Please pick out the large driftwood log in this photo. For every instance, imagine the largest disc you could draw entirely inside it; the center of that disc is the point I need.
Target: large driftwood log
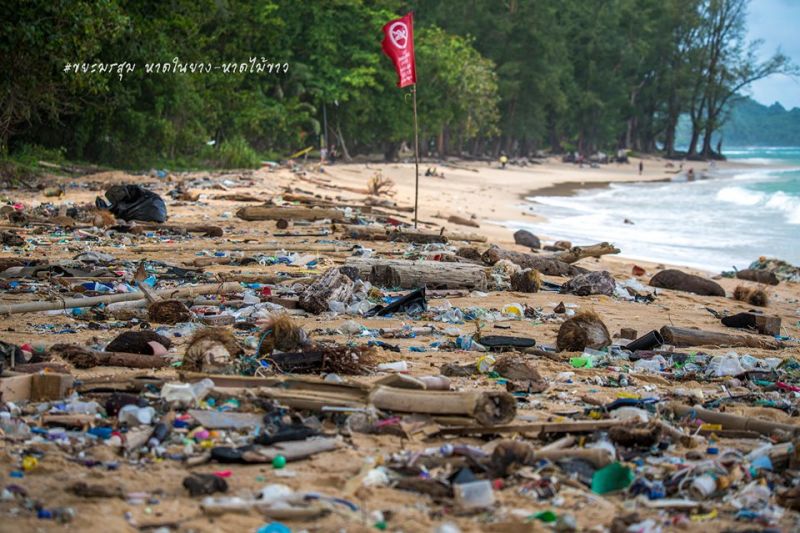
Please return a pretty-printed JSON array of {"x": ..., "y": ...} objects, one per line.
[
  {"x": 545, "y": 264},
  {"x": 488, "y": 408},
  {"x": 406, "y": 274},
  {"x": 266, "y": 212},
  {"x": 383, "y": 233},
  {"x": 68, "y": 303},
  {"x": 579, "y": 252},
  {"x": 685, "y": 337},
  {"x": 731, "y": 421},
  {"x": 461, "y": 221},
  {"x": 207, "y": 231}
]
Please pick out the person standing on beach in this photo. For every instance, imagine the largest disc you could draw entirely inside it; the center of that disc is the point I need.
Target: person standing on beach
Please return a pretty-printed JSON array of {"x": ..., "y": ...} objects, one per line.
[
  {"x": 641, "y": 167},
  {"x": 503, "y": 159}
]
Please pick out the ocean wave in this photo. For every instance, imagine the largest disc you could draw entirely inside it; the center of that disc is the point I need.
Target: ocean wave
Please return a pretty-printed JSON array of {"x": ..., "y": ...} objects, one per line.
[
  {"x": 739, "y": 196},
  {"x": 778, "y": 201}
]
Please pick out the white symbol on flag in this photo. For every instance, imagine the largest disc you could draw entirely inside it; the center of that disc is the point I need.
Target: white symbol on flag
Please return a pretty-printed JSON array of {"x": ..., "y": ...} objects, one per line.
[{"x": 398, "y": 34}]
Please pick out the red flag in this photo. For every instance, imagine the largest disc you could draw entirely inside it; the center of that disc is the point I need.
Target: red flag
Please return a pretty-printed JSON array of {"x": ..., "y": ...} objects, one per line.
[{"x": 398, "y": 44}]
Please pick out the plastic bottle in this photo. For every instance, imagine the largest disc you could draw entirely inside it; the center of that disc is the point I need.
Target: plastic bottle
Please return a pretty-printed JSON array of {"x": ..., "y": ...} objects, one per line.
[
  {"x": 466, "y": 342},
  {"x": 475, "y": 494}
]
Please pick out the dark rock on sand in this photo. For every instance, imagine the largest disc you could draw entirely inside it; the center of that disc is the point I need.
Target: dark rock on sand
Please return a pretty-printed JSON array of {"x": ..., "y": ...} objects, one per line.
[
  {"x": 681, "y": 281},
  {"x": 526, "y": 238},
  {"x": 759, "y": 276}
]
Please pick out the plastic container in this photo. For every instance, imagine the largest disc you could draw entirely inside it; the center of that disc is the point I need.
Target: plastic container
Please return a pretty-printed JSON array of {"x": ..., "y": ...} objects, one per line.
[
  {"x": 134, "y": 415},
  {"x": 725, "y": 365},
  {"x": 395, "y": 366},
  {"x": 186, "y": 393},
  {"x": 475, "y": 494}
]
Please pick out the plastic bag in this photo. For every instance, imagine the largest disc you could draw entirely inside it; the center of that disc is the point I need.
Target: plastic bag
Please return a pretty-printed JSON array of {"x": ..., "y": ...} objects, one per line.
[{"x": 132, "y": 202}]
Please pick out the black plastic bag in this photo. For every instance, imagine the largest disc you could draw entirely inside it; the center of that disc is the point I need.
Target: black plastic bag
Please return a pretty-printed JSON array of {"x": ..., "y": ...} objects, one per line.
[{"x": 132, "y": 202}]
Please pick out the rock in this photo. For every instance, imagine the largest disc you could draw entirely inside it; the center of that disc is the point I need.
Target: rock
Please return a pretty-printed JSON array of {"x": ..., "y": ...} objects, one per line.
[
  {"x": 601, "y": 282},
  {"x": 759, "y": 276},
  {"x": 138, "y": 342},
  {"x": 584, "y": 330},
  {"x": 681, "y": 281},
  {"x": 526, "y": 238},
  {"x": 562, "y": 245}
]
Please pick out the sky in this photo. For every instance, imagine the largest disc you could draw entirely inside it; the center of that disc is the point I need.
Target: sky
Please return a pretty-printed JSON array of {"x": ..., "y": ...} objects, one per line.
[{"x": 777, "y": 23}]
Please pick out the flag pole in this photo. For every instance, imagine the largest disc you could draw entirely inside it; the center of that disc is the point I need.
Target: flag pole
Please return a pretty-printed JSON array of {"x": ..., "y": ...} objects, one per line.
[{"x": 416, "y": 158}]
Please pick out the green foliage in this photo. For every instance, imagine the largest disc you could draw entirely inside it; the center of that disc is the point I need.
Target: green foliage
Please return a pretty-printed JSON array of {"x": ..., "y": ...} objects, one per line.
[
  {"x": 752, "y": 124},
  {"x": 518, "y": 75},
  {"x": 236, "y": 153}
]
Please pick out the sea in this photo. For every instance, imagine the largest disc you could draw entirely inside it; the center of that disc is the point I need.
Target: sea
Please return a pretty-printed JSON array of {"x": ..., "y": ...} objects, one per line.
[{"x": 723, "y": 219}]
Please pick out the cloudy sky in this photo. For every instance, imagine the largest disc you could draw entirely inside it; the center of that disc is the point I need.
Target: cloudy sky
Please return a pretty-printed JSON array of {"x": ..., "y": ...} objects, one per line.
[{"x": 777, "y": 23}]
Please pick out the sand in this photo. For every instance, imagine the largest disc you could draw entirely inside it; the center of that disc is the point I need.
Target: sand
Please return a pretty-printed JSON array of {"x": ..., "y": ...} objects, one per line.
[{"x": 483, "y": 191}]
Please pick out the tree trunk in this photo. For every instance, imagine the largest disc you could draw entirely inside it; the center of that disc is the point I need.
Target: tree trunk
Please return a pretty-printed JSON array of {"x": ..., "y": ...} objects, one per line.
[{"x": 685, "y": 337}]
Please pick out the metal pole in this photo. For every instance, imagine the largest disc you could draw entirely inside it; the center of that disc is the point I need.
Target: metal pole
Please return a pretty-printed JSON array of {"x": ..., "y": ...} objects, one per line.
[{"x": 416, "y": 159}]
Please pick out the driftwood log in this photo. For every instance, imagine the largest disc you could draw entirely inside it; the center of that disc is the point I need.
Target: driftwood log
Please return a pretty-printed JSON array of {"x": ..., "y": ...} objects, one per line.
[
  {"x": 685, "y": 337},
  {"x": 461, "y": 221},
  {"x": 405, "y": 274},
  {"x": 207, "y": 231},
  {"x": 376, "y": 232},
  {"x": 580, "y": 252},
  {"x": 731, "y": 421},
  {"x": 80, "y": 357},
  {"x": 266, "y": 212},
  {"x": 488, "y": 408},
  {"x": 69, "y": 303},
  {"x": 545, "y": 264}
]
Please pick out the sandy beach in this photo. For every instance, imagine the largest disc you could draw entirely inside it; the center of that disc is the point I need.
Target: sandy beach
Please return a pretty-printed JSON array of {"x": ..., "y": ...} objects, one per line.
[{"x": 485, "y": 192}]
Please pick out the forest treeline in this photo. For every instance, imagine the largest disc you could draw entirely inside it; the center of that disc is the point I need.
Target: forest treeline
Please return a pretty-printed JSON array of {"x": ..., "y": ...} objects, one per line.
[
  {"x": 754, "y": 124},
  {"x": 230, "y": 82}
]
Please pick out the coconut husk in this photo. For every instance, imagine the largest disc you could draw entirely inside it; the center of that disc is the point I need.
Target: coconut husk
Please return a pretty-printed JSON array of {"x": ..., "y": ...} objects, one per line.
[
  {"x": 752, "y": 295},
  {"x": 528, "y": 280},
  {"x": 584, "y": 330},
  {"x": 281, "y": 333},
  {"x": 639, "y": 437},
  {"x": 510, "y": 455},
  {"x": 169, "y": 312},
  {"x": 211, "y": 350},
  {"x": 77, "y": 356}
]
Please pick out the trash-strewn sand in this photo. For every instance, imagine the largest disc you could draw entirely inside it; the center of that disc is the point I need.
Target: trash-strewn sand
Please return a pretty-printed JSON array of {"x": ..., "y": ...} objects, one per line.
[{"x": 489, "y": 194}]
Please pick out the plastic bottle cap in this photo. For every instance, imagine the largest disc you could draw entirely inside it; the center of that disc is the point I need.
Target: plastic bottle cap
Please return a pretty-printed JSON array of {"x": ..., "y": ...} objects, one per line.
[{"x": 279, "y": 462}]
